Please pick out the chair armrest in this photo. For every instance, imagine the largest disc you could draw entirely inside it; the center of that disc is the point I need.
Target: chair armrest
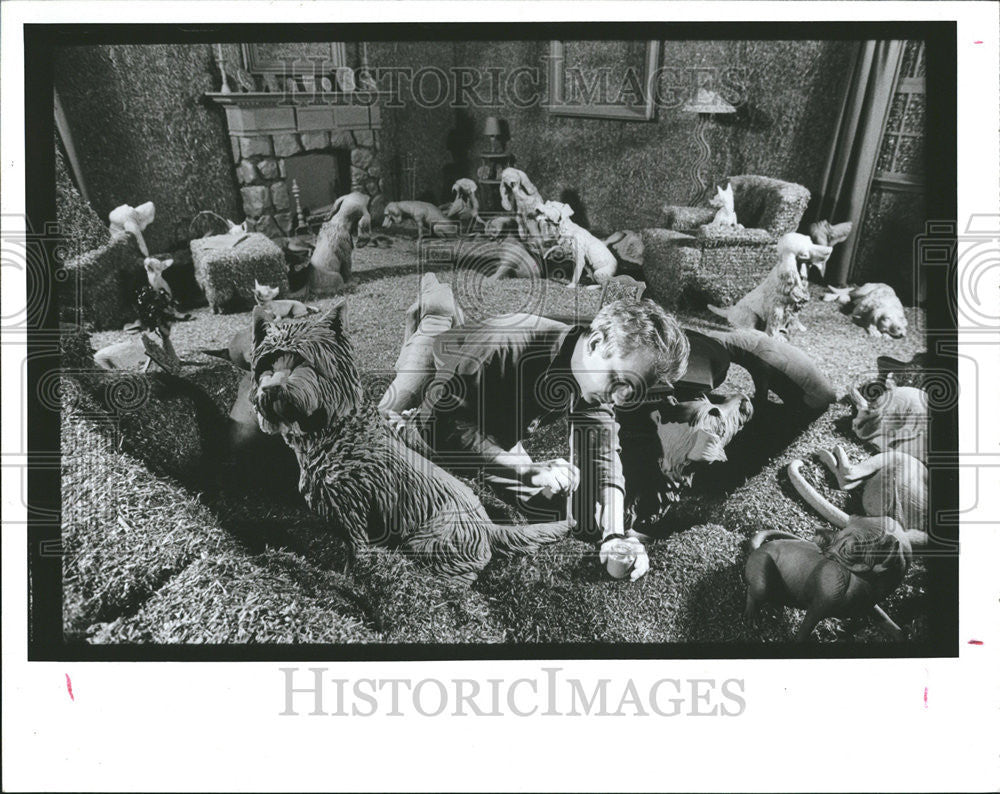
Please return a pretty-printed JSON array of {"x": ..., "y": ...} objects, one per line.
[{"x": 683, "y": 219}]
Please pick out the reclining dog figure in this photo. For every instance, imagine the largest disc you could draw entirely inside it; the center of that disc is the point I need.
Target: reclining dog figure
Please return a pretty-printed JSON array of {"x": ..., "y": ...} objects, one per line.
[{"x": 369, "y": 485}]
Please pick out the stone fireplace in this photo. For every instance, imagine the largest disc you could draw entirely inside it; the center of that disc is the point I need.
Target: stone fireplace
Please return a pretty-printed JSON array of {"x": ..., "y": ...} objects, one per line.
[{"x": 328, "y": 149}]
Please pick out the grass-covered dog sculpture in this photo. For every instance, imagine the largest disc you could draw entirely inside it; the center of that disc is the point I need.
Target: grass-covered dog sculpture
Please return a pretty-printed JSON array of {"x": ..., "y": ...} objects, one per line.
[{"x": 355, "y": 473}]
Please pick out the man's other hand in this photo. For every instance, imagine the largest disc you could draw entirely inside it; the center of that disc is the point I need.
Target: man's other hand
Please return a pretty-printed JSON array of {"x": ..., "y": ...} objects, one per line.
[{"x": 558, "y": 475}]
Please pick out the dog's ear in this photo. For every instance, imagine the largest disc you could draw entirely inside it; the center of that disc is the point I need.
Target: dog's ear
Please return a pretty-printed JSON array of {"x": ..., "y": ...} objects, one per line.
[
  {"x": 166, "y": 263},
  {"x": 261, "y": 324},
  {"x": 505, "y": 197},
  {"x": 526, "y": 184},
  {"x": 335, "y": 316},
  {"x": 820, "y": 232},
  {"x": 149, "y": 263},
  {"x": 655, "y": 416},
  {"x": 707, "y": 447},
  {"x": 839, "y": 232}
]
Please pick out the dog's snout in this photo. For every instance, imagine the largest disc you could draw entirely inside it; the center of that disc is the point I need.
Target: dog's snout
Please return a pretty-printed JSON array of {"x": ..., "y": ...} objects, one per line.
[{"x": 272, "y": 380}]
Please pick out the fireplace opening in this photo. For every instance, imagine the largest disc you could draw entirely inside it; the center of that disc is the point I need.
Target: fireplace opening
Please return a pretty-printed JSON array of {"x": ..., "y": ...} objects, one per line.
[{"x": 321, "y": 177}]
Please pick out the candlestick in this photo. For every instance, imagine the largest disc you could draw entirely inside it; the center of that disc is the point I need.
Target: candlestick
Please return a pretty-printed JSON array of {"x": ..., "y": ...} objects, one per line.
[{"x": 222, "y": 70}]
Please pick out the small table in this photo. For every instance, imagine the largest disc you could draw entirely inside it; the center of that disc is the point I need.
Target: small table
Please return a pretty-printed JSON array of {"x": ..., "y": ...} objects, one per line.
[{"x": 489, "y": 194}]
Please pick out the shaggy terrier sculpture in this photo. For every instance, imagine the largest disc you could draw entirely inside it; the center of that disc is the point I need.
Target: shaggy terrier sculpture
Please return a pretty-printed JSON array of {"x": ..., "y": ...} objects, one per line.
[{"x": 355, "y": 473}]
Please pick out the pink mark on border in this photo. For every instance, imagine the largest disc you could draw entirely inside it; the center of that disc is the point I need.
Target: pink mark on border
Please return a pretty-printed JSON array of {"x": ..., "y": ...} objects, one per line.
[
  {"x": 69, "y": 688},
  {"x": 977, "y": 42},
  {"x": 925, "y": 697},
  {"x": 975, "y": 642}
]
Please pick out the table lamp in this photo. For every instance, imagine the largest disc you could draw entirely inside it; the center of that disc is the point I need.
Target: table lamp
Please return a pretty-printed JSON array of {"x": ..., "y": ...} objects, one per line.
[
  {"x": 706, "y": 103},
  {"x": 491, "y": 129}
]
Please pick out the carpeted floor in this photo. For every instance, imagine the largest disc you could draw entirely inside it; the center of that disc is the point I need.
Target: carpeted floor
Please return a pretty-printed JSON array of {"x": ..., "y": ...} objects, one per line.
[{"x": 149, "y": 561}]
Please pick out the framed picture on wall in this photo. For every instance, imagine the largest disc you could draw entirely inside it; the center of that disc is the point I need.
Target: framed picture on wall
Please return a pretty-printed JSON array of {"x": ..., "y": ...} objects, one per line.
[
  {"x": 603, "y": 79},
  {"x": 294, "y": 59}
]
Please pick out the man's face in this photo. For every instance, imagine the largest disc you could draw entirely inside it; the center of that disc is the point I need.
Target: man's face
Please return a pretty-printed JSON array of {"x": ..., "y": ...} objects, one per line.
[{"x": 612, "y": 377}]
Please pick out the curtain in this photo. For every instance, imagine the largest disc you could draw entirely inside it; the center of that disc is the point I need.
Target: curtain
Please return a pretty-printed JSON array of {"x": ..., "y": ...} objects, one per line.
[{"x": 851, "y": 163}]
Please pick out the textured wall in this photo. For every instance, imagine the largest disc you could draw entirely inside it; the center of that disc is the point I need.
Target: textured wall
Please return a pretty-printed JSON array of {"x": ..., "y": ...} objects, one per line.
[
  {"x": 624, "y": 171},
  {"x": 143, "y": 131}
]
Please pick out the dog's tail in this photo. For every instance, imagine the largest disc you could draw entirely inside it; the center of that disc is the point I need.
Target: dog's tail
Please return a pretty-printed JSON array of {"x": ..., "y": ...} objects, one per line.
[
  {"x": 510, "y": 539},
  {"x": 724, "y": 312},
  {"x": 840, "y": 295},
  {"x": 813, "y": 498},
  {"x": 765, "y": 535}
]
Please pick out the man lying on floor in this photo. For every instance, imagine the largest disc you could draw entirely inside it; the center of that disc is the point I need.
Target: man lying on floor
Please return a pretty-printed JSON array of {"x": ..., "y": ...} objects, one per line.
[{"x": 494, "y": 385}]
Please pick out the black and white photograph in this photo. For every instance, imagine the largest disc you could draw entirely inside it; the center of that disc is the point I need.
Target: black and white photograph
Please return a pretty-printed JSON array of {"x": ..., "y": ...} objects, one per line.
[
  {"x": 452, "y": 342},
  {"x": 531, "y": 341}
]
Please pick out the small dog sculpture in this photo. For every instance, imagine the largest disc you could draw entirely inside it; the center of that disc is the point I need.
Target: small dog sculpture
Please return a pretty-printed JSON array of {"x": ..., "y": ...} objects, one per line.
[
  {"x": 332, "y": 259},
  {"x": 588, "y": 252},
  {"x": 126, "y": 219},
  {"x": 896, "y": 479},
  {"x": 518, "y": 194},
  {"x": 465, "y": 206},
  {"x": 726, "y": 216},
  {"x": 422, "y": 213},
  {"x": 678, "y": 435},
  {"x": 265, "y": 296},
  {"x": 154, "y": 274},
  {"x": 845, "y": 575},
  {"x": 875, "y": 307},
  {"x": 895, "y": 485},
  {"x": 365, "y": 481},
  {"x": 772, "y": 305},
  {"x": 895, "y": 420},
  {"x": 825, "y": 233}
]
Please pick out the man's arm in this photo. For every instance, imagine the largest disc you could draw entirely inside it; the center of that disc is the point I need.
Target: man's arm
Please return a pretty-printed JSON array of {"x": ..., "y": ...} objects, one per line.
[{"x": 604, "y": 450}]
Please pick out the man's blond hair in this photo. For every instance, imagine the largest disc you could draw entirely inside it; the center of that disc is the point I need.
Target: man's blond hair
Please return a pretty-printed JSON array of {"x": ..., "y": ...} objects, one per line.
[{"x": 627, "y": 326}]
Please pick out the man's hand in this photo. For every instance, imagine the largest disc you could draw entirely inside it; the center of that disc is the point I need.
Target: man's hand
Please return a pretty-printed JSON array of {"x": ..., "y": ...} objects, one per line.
[
  {"x": 559, "y": 475},
  {"x": 641, "y": 564}
]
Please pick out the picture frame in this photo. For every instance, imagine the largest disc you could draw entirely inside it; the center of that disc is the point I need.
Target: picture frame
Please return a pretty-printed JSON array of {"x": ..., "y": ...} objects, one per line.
[
  {"x": 288, "y": 58},
  {"x": 643, "y": 65}
]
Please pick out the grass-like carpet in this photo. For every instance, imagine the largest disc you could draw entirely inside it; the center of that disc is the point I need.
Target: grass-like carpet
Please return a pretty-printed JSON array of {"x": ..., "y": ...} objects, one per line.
[{"x": 150, "y": 560}]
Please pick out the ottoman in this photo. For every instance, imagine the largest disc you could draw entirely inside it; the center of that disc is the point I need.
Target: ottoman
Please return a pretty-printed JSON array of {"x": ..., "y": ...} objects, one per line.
[{"x": 226, "y": 265}]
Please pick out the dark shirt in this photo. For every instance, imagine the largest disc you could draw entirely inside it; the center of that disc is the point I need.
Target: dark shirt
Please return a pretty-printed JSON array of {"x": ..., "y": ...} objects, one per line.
[{"x": 497, "y": 383}]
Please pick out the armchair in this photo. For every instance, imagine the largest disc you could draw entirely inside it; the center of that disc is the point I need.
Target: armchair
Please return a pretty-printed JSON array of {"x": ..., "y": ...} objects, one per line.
[{"x": 690, "y": 261}]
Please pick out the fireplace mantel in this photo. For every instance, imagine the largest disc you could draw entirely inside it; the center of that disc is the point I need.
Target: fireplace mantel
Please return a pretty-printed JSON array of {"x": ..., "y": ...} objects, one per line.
[
  {"x": 263, "y": 113},
  {"x": 265, "y": 129}
]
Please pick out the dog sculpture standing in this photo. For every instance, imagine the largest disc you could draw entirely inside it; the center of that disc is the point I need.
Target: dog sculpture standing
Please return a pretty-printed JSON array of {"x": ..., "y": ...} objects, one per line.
[
  {"x": 588, "y": 252},
  {"x": 356, "y": 474},
  {"x": 865, "y": 560},
  {"x": 875, "y": 307},
  {"x": 422, "y": 213},
  {"x": 772, "y": 305},
  {"x": 331, "y": 261}
]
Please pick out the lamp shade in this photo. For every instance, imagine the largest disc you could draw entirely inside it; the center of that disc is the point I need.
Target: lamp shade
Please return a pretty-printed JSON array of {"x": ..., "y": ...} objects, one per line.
[
  {"x": 491, "y": 126},
  {"x": 706, "y": 101}
]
